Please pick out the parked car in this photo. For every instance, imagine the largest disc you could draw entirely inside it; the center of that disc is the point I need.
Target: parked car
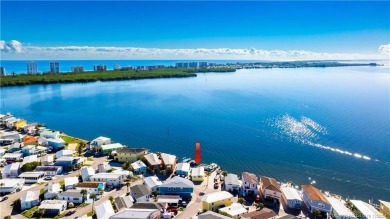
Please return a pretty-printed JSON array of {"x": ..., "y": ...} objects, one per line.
[
  {"x": 184, "y": 204},
  {"x": 69, "y": 213},
  {"x": 48, "y": 178},
  {"x": 4, "y": 198}
]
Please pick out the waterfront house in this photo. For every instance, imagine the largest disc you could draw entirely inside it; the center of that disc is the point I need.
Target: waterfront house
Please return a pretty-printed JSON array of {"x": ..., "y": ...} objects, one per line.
[
  {"x": 19, "y": 124},
  {"x": 152, "y": 182},
  {"x": 130, "y": 213},
  {"x": 235, "y": 210},
  {"x": 152, "y": 161},
  {"x": 314, "y": 199},
  {"x": 68, "y": 163},
  {"x": 97, "y": 142},
  {"x": 212, "y": 215},
  {"x": 52, "y": 190},
  {"x": 182, "y": 169},
  {"x": 13, "y": 157},
  {"x": 231, "y": 183},
  {"x": 339, "y": 210},
  {"x": 30, "y": 140},
  {"x": 41, "y": 150},
  {"x": 11, "y": 171},
  {"x": 71, "y": 195},
  {"x": 107, "y": 149},
  {"x": 249, "y": 184},
  {"x": 384, "y": 208},
  {"x": 9, "y": 123},
  {"x": 111, "y": 179},
  {"x": 270, "y": 190},
  {"x": 216, "y": 200},
  {"x": 104, "y": 210},
  {"x": 197, "y": 174},
  {"x": 91, "y": 187},
  {"x": 177, "y": 186},
  {"x": 264, "y": 213},
  {"x": 29, "y": 199},
  {"x": 31, "y": 129},
  {"x": 168, "y": 161},
  {"x": 47, "y": 133},
  {"x": 49, "y": 170},
  {"x": 32, "y": 177},
  {"x": 129, "y": 154},
  {"x": 12, "y": 137},
  {"x": 48, "y": 160},
  {"x": 11, "y": 185},
  {"x": 29, "y": 150},
  {"x": 291, "y": 197},
  {"x": 53, "y": 207},
  {"x": 70, "y": 182},
  {"x": 86, "y": 173},
  {"x": 139, "y": 167},
  {"x": 55, "y": 143},
  {"x": 123, "y": 202},
  {"x": 15, "y": 147},
  {"x": 140, "y": 193},
  {"x": 103, "y": 168},
  {"x": 64, "y": 152},
  {"x": 365, "y": 210}
]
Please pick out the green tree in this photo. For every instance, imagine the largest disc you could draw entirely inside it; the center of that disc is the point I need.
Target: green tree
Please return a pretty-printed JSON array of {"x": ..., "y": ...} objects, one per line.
[
  {"x": 316, "y": 213},
  {"x": 79, "y": 150},
  {"x": 93, "y": 197},
  {"x": 224, "y": 173},
  {"x": 163, "y": 172},
  {"x": 126, "y": 165},
  {"x": 241, "y": 200},
  {"x": 28, "y": 167},
  {"x": 7, "y": 217},
  {"x": 259, "y": 205},
  {"x": 39, "y": 213},
  {"x": 84, "y": 192}
]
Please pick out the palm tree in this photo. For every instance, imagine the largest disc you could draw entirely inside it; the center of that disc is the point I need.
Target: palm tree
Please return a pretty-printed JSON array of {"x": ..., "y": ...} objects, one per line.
[
  {"x": 128, "y": 184},
  {"x": 143, "y": 175},
  {"x": 84, "y": 192},
  {"x": 101, "y": 192},
  {"x": 259, "y": 206},
  {"x": 224, "y": 173},
  {"x": 93, "y": 196},
  {"x": 316, "y": 213},
  {"x": 163, "y": 172},
  {"x": 241, "y": 200},
  {"x": 39, "y": 213},
  {"x": 208, "y": 173}
]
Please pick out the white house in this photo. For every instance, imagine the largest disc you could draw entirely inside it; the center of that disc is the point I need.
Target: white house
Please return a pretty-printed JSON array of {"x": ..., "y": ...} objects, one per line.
[
  {"x": 139, "y": 167},
  {"x": 71, "y": 195},
  {"x": 231, "y": 183},
  {"x": 53, "y": 207},
  {"x": 29, "y": 199},
  {"x": 11, "y": 185},
  {"x": 339, "y": 210},
  {"x": 13, "y": 157},
  {"x": 182, "y": 169},
  {"x": 249, "y": 184},
  {"x": 47, "y": 133},
  {"x": 103, "y": 168},
  {"x": 197, "y": 174},
  {"x": 86, "y": 173},
  {"x": 104, "y": 210},
  {"x": 140, "y": 193},
  {"x": 234, "y": 210},
  {"x": 29, "y": 159},
  {"x": 49, "y": 170},
  {"x": 367, "y": 211},
  {"x": 70, "y": 182},
  {"x": 111, "y": 179},
  {"x": 11, "y": 170},
  {"x": 152, "y": 182},
  {"x": 65, "y": 153},
  {"x": 32, "y": 177},
  {"x": 291, "y": 197},
  {"x": 52, "y": 190},
  {"x": 91, "y": 187},
  {"x": 97, "y": 142}
]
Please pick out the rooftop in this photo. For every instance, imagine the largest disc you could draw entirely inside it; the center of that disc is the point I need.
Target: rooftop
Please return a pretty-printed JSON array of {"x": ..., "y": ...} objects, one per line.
[
  {"x": 111, "y": 146},
  {"x": 10, "y": 183},
  {"x": 89, "y": 184},
  {"x": 314, "y": 193},
  {"x": 264, "y": 213},
  {"x": 107, "y": 175},
  {"x": 339, "y": 206},
  {"x": 216, "y": 196},
  {"x": 152, "y": 159},
  {"x": 168, "y": 198},
  {"x": 366, "y": 209},
  {"x": 152, "y": 181},
  {"x": 234, "y": 209},
  {"x": 140, "y": 191},
  {"x": 29, "y": 196},
  {"x": 269, "y": 183},
  {"x": 31, "y": 174},
  {"x": 199, "y": 171},
  {"x": 231, "y": 179},
  {"x": 132, "y": 150},
  {"x": 52, "y": 204},
  {"x": 148, "y": 205},
  {"x": 133, "y": 214},
  {"x": 290, "y": 193},
  {"x": 212, "y": 215},
  {"x": 183, "y": 167},
  {"x": 138, "y": 164},
  {"x": 104, "y": 210},
  {"x": 71, "y": 180},
  {"x": 168, "y": 159},
  {"x": 71, "y": 193},
  {"x": 177, "y": 181},
  {"x": 250, "y": 178}
]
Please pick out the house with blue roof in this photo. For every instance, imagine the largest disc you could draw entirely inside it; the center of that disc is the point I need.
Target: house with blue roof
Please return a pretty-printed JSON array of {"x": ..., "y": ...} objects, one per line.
[{"x": 177, "y": 186}]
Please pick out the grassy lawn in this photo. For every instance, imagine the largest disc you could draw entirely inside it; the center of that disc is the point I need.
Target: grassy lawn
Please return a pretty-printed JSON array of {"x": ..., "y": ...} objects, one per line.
[
  {"x": 30, "y": 214},
  {"x": 70, "y": 139},
  {"x": 90, "y": 214},
  {"x": 83, "y": 205},
  {"x": 89, "y": 159}
]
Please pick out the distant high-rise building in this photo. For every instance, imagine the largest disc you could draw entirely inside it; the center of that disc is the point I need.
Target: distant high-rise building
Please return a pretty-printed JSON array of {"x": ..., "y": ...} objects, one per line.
[
  {"x": 202, "y": 64},
  {"x": 2, "y": 71},
  {"x": 179, "y": 65},
  {"x": 117, "y": 67},
  {"x": 32, "y": 68},
  {"x": 193, "y": 64},
  {"x": 99, "y": 68},
  {"x": 77, "y": 68},
  {"x": 185, "y": 65},
  {"x": 54, "y": 67}
]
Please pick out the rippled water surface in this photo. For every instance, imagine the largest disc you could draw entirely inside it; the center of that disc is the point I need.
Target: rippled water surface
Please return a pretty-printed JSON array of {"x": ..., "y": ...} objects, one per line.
[{"x": 331, "y": 125}]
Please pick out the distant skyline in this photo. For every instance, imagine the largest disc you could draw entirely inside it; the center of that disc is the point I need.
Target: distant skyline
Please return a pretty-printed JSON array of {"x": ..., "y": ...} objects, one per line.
[{"x": 195, "y": 30}]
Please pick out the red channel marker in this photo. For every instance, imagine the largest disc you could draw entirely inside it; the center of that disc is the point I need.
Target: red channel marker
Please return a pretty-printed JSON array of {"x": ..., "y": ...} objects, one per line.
[{"x": 198, "y": 157}]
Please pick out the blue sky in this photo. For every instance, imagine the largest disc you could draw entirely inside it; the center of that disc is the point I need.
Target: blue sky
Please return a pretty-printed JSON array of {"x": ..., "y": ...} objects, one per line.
[{"x": 321, "y": 27}]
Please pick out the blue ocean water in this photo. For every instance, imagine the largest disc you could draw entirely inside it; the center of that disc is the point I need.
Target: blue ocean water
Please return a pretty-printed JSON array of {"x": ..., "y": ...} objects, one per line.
[{"x": 331, "y": 125}]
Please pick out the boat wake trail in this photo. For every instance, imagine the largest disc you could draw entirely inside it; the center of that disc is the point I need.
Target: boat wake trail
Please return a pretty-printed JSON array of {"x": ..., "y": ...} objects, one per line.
[{"x": 306, "y": 131}]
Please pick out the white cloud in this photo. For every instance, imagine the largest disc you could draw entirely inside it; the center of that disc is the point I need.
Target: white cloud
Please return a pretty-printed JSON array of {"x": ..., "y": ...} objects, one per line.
[{"x": 15, "y": 50}]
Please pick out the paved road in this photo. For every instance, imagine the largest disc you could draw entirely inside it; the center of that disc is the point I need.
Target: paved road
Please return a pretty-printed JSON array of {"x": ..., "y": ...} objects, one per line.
[{"x": 6, "y": 208}]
